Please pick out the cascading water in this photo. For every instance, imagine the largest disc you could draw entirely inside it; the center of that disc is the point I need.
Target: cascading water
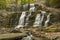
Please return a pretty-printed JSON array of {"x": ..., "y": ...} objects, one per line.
[
  {"x": 29, "y": 37},
  {"x": 32, "y": 9},
  {"x": 21, "y": 20},
  {"x": 26, "y": 7},
  {"x": 37, "y": 20},
  {"x": 42, "y": 18},
  {"x": 47, "y": 21},
  {"x": 27, "y": 19}
]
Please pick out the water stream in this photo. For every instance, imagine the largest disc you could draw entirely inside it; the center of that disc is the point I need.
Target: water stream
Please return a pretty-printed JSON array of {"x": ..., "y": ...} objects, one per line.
[
  {"x": 27, "y": 19},
  {"x": 29, "y": 37},
  {"x": 42, "y": 17},
  {"x": 37, "y": 20},
  {"x": 47, "y": 21},
  {"x": 21, "y": 20}
]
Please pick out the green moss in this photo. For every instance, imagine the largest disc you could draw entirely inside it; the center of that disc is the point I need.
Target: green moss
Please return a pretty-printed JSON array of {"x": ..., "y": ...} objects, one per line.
[
  {"x": 52, "y": 1},
  {"x": 49, "y": 29}
]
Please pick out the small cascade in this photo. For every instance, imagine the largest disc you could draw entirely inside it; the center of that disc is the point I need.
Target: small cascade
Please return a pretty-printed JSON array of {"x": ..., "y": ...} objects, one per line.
[
  {"x": 27, "y": 19},
  {"x": 32, "y": 9},
  {"x": 47, "y": 21},
  {"x": 26, "y": 7},
  {"x": 42, "y": 17},
  {"x": 28, "y": 37},
  {"x": 37, "y": 20},
  {"x": 21, "y": 20}
]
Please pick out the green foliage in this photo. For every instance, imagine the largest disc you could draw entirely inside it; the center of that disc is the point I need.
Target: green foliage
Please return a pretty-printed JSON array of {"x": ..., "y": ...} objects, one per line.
[
  {"x": 52, "y": 1},
  {"x": 50, "y": 29},
  {"x": 26, "y": 1},
  {"x": 2, "y": 4}
]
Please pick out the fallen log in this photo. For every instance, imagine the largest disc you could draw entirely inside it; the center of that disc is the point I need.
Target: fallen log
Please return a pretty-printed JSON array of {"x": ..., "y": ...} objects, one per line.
[{"x": 11, "y": 35}]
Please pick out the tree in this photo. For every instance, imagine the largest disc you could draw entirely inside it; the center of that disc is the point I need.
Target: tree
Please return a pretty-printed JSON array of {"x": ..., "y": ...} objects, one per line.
[{"x": 2, "y": 4}]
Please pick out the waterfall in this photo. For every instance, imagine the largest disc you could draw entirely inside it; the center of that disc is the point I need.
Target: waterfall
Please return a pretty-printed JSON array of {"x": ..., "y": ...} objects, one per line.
[
  {"x": 47, "y": 21},
  {"x": 42, "y": 18},
  {"x": 29, "y": 37},
  {"x": 27, "y": 19},
  {"x": 37, "y": 20},
  {"x": 32, "y": 9},
  {"x": 26, "y": 7},
  {"x": 21, "y": 20}
]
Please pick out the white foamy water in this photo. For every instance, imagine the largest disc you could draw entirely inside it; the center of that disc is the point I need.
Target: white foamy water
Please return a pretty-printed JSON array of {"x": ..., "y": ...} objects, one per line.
[
  {"x": 21, "y": 20},
  {"x": 42, "y": 17},
  {"x": 28, "y": 37},
  {"x": 27, "y": 19},
  {"x": 32, "y": 9},
  {"x": 47, "y": 21},
  {"x": 37, "y": 20}
]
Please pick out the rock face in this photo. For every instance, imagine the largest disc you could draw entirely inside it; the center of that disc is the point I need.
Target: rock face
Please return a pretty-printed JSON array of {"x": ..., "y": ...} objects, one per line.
[
  {"x": 7, "y": 19},
  {"x": 4, "y": 18}
]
